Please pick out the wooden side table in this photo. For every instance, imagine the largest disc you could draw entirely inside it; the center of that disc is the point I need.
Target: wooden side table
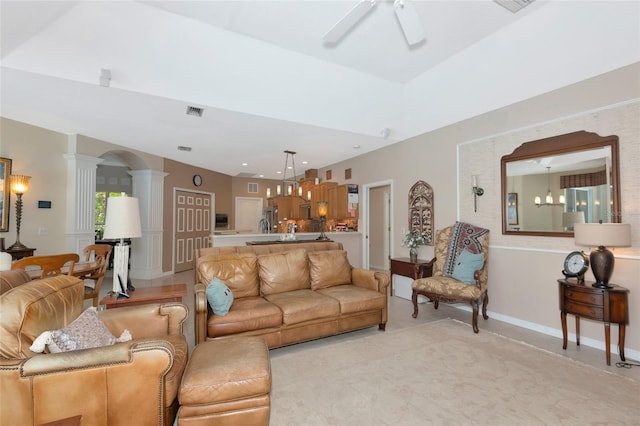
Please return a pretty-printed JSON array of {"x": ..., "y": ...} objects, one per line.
[
  {"x": 17, "y": 254},
  {"x": 609, "y": 305},
  {"x": 405, "y": 267},
  {"x": 144, "y": 295}
]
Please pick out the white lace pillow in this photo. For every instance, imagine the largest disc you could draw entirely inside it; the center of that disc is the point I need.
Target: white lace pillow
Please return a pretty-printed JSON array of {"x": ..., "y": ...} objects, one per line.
[{"x": 86, "y": 331}]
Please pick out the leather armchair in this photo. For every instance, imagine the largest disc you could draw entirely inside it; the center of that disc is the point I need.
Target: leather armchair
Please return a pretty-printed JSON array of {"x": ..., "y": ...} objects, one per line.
[{"x": 135, "y": 381}]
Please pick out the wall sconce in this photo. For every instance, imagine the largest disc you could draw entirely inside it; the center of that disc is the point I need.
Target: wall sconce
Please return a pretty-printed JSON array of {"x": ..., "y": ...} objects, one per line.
[
  {"x": 600, "y": 235},
  {"x": 122, "y": 221},
  {"x": 268, "y": 192},
  {"x": 322, "y": 212},
  {"x": 278, "y": 190},
  {"x": 477, "y": 192},
  {"x": 19, "y": 185},
  {"x": 308, "y": 195}
]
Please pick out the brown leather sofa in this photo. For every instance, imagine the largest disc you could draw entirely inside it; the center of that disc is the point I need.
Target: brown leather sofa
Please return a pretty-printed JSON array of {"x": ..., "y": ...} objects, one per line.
[
  {"x": 131, "y": 382},
  {"x": 288, "y": 293}
]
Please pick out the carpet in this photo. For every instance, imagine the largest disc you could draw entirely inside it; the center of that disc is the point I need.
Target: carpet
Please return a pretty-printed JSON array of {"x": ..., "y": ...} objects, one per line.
[{"x": 441, "y": 373}]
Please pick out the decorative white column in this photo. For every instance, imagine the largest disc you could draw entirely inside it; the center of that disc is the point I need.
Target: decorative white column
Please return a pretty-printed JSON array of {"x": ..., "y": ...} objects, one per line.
[
  {"x": 81, "y": 194},
  {"x": 146, "y": 252}
]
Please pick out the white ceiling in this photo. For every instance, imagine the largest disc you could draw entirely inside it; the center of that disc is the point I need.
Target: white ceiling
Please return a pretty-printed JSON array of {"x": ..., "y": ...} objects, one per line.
[{"x": 268, "y": 83}]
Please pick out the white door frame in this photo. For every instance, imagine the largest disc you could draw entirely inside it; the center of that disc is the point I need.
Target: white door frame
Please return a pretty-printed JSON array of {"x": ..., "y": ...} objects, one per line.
[
  {"x": 173, "y": 234},
  {"x": 366, "y": 208}
]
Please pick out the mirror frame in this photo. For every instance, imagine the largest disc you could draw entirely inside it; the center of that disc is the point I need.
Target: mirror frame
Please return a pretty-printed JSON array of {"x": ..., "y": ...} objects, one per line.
[
  {"x": 563, "y": 144},
  {"x": 5, "y": 193}
]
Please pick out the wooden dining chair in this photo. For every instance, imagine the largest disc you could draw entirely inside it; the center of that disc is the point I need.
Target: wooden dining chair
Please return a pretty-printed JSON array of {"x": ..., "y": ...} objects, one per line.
[
  {"x": 48, "y": 265},
  {"x": 101, "y": 254}
]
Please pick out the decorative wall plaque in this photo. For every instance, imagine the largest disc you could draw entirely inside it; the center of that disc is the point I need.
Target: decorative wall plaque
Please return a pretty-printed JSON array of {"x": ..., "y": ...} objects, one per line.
[{"x": 421, "y": 211}]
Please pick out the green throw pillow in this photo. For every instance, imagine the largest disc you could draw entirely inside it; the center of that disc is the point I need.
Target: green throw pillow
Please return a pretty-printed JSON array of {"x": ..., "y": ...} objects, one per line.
[
  {"x": 219, "y": 296},
  {"x": 466, "y": 264}
]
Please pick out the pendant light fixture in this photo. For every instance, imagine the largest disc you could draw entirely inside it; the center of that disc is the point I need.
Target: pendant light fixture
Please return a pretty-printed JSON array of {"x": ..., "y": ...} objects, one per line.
[{"x": 548, "y": 199}]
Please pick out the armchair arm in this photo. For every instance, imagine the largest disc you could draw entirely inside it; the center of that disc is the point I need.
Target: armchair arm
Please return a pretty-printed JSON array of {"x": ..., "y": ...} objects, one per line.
[
  {"x": 150, "y": 320},
  {"x": 373, "y": 280},
  {"x": 108, "y": 385},
  {"x": 202, "y": 311}
]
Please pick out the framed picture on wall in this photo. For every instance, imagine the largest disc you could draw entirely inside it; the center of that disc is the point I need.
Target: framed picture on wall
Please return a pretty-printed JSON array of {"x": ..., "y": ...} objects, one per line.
[
  {"x": 512, "y": 208},
  {"x": 5, "y": 173}
]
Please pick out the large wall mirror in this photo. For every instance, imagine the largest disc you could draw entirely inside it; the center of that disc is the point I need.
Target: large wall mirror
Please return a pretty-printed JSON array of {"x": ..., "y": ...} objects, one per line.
[{"x": 550, "y": 184}]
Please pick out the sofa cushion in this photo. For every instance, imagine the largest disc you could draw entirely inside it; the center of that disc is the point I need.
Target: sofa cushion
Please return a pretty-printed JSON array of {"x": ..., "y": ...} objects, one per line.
[
  {"x": 304, "y": 305},
  {"x": 12, "y": 278},
  {"x": 26, "y": 311},
  {"x": 355, "y": 299},
  {"x": 246, "y": 314},
  {"x": 466, "y": 264},
  {"x": 329, "y": 268},
  {"x": 85, "y": 332},
  {"x": 219, "y": 296},
  {"x": 284, "y": 272},
  {"x": 238, "y": 271}
]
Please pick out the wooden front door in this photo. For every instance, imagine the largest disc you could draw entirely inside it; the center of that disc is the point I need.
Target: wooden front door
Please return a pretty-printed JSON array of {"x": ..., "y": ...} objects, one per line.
[{"x": 193, "y": 227}]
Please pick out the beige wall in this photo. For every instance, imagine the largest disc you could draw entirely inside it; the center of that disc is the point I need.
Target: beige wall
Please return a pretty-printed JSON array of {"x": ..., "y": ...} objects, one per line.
[
  {"x": 523, "y": 270},
  {"x": 37, "y": 152}
]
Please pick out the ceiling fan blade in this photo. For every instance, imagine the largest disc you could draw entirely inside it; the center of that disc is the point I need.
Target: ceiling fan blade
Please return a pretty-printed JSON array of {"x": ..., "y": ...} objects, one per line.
[
  {"x": 409, "y": 21},
  {"x": 348, "y": 21}
]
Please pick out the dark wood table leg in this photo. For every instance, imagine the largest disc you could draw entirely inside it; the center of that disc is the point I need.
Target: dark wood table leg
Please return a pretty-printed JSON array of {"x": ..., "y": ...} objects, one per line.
[
  {"x": 577, "y": 330},
  {"x": 607, "y": 342},
  {"x": 621, "y": 333},
  {"x": 563, "y": 320}
]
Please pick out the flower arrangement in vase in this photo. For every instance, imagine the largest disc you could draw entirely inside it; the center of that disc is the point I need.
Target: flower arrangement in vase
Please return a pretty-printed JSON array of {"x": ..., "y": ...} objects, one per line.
[{"x": 413, "y": 239}]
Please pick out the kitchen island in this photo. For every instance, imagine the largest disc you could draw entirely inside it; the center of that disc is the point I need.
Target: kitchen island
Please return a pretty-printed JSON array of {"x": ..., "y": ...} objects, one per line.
[{"x": 351, "y": 241}]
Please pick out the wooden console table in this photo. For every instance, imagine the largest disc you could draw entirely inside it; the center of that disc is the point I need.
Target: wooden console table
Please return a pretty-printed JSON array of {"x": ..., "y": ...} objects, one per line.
[
  {"x": 17, "y": 254},
  {"x": 405, "y": 267},
  {"x": 609, "y": 305},
  {"x": 144, "y": 295}
]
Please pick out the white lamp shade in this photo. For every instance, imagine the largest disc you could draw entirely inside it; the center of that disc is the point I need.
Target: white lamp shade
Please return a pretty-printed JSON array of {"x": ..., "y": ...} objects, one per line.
[
  {"x": 602, "y": 234},
  {"x": 571, "y": 218},
  {"x": 123, "y": 218}
]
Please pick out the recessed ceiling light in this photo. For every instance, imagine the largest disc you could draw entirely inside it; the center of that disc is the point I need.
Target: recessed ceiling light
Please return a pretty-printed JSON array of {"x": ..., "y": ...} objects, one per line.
[
  {"x": 261, "y": 176},
  {"x": 278, "y": 172},
  {"x": 356, "y": 147},
  {"x": 305, "y": 162},
  {"x": 245, "y": 164}
]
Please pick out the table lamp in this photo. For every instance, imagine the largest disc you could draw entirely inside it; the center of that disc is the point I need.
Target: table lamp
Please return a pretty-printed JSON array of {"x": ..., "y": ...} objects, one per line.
[
  {"x": 600, "y": 235},
  {"x": 122, "y": 221},
  {"x": 19, "y": 185}
]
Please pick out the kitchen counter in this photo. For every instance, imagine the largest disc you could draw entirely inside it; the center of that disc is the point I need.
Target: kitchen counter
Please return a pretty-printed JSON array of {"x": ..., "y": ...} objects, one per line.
[{"x": 351, "y": 241}]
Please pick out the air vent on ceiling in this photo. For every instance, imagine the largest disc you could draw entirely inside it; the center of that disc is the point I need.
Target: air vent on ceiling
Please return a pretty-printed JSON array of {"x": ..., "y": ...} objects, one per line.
[
  {"x": 245, "y": 175},
  {"x": 195, "y": 111},
  {"x": 184, "y": 148},
  {"x": 514, "y": 5}
]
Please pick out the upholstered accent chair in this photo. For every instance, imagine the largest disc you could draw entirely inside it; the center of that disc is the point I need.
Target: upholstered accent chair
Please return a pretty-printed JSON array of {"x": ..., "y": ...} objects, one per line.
[{"x": 447, "y": 281}]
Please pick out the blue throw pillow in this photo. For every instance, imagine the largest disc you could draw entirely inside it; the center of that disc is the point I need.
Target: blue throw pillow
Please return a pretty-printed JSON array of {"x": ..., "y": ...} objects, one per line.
[
  {"x": 466, "y": 264},
  {"x": 219, "y": 296}
]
